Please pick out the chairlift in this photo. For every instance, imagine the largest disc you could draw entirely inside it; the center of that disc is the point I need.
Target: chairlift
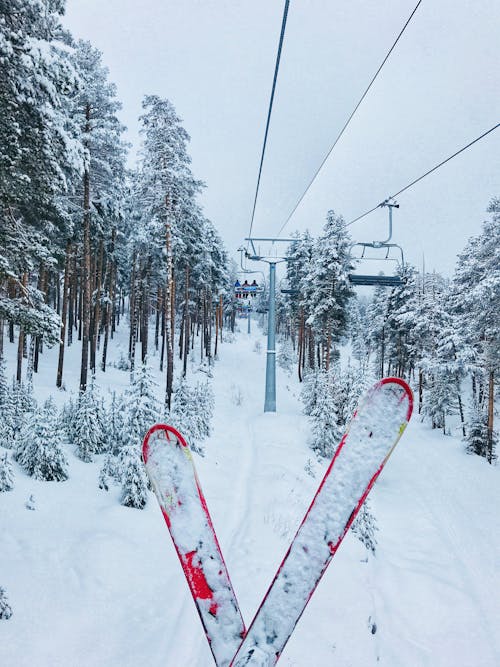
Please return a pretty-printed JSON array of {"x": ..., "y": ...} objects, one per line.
[{"x": 373, "y": 280}]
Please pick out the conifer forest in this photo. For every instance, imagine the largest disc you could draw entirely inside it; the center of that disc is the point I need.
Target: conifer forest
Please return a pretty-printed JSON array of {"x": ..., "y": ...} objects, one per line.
[{"x": 118, "y": 310}]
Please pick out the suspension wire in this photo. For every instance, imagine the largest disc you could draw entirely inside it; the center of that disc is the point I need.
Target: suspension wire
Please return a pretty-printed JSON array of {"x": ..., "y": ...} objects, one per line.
[
  {"x": 350, "y": 117},
  {"x": 276, "y": 69},
  {"x": 417, "y": 180}
]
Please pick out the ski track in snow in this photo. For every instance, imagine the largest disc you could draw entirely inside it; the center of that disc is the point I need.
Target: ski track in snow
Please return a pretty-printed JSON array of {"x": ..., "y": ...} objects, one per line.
[{"x": 92, "y": 583}]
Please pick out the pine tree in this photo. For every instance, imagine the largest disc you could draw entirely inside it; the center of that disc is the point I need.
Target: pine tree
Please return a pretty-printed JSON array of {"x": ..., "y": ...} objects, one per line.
[
  {"x": 87, "y": 426},
  {"x": 101, "y": 187},
  {"x": 7, "y": 411},
  {"x": 39, "y": 154},
  {"x": 134, "y": 480},
  {"x": 475, "y": 298},
  {"x": 349, "y": 386},
  {"x": 311, "y": 387},
  {"x": 24, "y": 404},
  {"x": 184, "y": 415},
  {"x": 327, "y": 288},
  {"x": 39, "y": 450},
  {"x": 140, "y": 407},
  {"x": 114, "y": 423},
  {"x": 6, "y": 473},
  {"x": 325, "y": 430},
  {"x": 365, "y": 527},
  {"x": 477, "y": 431}
]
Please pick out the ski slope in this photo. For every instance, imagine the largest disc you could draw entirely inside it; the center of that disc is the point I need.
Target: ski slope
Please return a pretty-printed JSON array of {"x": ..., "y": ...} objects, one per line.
[{"x": 92, "y": 583}]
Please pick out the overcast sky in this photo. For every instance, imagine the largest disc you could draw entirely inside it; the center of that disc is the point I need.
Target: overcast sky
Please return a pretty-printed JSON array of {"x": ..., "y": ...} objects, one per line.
[{"x": 214, "y": 59}]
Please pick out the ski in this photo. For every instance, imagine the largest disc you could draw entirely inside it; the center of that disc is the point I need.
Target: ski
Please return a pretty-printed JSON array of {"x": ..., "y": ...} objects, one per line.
[
  {"x": 171, "y": 470},
  {"x": 374, "y": 431}
]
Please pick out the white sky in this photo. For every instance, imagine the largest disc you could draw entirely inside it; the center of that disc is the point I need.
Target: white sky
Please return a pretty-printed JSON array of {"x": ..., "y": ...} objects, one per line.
[{"x": 214, "y": 59}]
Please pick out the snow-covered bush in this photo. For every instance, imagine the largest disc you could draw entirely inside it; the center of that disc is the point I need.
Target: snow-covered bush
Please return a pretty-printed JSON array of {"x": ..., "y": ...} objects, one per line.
[
  {"x": 38, "y": 448},
  {"x": 5, "y": 608},
  {"x": 6, "y": 473}
]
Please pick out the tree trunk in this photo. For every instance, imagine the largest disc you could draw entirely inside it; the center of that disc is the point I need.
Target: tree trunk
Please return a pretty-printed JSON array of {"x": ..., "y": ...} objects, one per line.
[
  {"x": 169, "y": 332},
  {"x": 491, "y": 396},
  {"x": 186, "y": 323},
  {"x": 145, "y": 316},
  {"x": 157, "y": 318},
  {"x": 97, "y": 306},
  {"x": 85, "y": 312},
  {"x": 65, "y": 298},
  {"x": 20, "y": 346},
  {"x": 300, "y": 345},
  {"x": 420, "y": 390}
]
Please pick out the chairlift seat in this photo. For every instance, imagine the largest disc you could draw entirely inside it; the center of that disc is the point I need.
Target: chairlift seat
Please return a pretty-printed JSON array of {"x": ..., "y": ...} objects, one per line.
[{"x": 385, "y": 281}]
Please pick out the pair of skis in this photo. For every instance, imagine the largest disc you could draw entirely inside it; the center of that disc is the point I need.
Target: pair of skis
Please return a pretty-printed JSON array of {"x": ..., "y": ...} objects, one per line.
[{"x": 374, "y": 431}]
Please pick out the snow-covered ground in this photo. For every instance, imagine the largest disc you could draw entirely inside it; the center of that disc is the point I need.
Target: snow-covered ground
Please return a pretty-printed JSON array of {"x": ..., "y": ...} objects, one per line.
[{"x": 92, "y": 583}]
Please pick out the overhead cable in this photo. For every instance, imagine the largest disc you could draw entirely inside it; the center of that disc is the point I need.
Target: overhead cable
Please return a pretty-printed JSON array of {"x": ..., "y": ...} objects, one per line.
[
  {"x": 276, "y": 69},
  {"x": 350, "y": 117},
  {"x": 407, "y": 187}
]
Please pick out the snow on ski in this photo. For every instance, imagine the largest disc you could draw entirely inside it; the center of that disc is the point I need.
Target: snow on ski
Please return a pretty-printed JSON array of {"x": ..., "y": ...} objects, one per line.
[
  {"x": 173, "y": 476},
  {"x": 373, "y": 433}
]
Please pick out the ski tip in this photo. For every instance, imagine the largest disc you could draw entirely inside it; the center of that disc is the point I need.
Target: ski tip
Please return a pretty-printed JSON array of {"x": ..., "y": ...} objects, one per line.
[
  {"x": 170, "y": 434},
  {"x": 407, "y": 392}
]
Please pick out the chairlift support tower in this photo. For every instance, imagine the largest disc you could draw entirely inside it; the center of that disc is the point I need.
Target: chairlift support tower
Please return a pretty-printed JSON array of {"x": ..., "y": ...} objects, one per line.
[{"x": 270, "y": 395}]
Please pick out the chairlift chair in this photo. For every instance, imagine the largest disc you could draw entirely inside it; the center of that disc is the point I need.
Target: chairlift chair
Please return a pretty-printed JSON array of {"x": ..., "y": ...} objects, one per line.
[{"x": 373, "y": 280}]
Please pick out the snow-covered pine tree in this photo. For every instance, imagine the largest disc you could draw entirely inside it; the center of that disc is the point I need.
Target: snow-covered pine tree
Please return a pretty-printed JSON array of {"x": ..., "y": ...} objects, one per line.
[
  {"x": 67, "y": 418},
  {"x": 359, "y": 331},
  {"x": 87, "y": 426},
  {"x": 141, "y": 412},
  {"x": 114, "y": 426},
  {"x": 141, "y": 408},
  {"x": 39, "y": 153},
  {"x": 326, "y": 433},
  {"x": 101, "y": 188},
  {"x": 38, "y": 448},
  {"x": 364, "y": 527},
  {"x": 5, "y": 608},
  {"x": 114, "y": 422},
  {"x": 184, "y": 415},
  {"x": 204, "y": 404},
  {"x": 7, "y": 411},
  {"x": 327, "y": 289},
  {"x": 348, "y": 388},
  {"x": 475, "y": 297},
  {"x": 477, "y": 430},
  {"x": 23, "y": 404},
  {"x": 6, "y": 473},
  {"x": 134, "y": 480},
  {"x": 311, "y": 387},
  {"x": 378, "y": 329}
]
